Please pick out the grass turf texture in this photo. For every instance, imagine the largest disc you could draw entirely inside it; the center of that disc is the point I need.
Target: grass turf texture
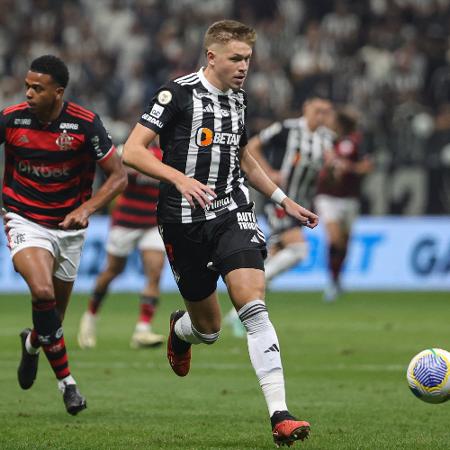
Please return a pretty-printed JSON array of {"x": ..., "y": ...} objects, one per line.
[{"x": 344, "y": 365}]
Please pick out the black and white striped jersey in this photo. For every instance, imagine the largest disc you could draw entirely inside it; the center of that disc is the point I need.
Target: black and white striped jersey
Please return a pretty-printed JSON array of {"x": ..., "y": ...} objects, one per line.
[
  {"x": 291, "y": 147},
  {"x": 201, "y": 130}
]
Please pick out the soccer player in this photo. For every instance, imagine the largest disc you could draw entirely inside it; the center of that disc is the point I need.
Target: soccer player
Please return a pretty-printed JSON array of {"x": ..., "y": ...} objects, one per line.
[
  {"x": 133, "y": 226},
  {"x": 205, "y": 215},
  {"x": 337, "y": 201},
  {"x": 291, "y": 152},
  {"x": 51, "y": 148}
]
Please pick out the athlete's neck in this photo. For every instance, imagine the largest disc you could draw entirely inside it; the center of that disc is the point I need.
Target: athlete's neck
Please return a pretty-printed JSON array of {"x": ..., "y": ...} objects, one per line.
[
  {"x": 214, "y": 80},
  {"x": 52, "y": 113}
]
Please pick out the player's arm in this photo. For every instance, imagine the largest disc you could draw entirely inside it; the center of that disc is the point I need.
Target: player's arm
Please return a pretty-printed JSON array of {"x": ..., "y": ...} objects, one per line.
[
  {"x": 261, "y": 182},
  {"x": 115, "y": 183},
  {"x": 136, "y": 155}
]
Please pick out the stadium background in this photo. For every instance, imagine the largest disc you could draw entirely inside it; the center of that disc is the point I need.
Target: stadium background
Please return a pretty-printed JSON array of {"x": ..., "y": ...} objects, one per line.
[{"x": 389, "y": 60}]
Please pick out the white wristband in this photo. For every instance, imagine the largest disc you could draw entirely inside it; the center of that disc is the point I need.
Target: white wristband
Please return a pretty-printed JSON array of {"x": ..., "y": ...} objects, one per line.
[{"x": 278, "y": 196}]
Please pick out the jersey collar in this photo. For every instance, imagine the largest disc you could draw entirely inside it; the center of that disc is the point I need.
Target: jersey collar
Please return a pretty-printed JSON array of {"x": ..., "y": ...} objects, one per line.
[{"x": 209, "y": 86}]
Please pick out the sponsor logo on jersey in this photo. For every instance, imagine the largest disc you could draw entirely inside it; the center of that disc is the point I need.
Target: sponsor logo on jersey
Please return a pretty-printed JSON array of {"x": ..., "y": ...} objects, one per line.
[
  {"x": 219, "y": 203},
  {"x": 22, "y": 121},
  {"x": 206, "y": 137},
  {"x": 42, "y": 171},
  {"x": 68, "y": 126},
  {"x": 164, "y": 97},
  {"x": 157, "y": 111},
  {"x": 153, "y": 120},
  {"x": 64, "y": 141},
  {"x": 246, "y": 220}
]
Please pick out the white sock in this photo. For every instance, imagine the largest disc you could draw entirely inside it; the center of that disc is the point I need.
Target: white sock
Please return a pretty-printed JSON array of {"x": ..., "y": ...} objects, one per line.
[
  {"x": 264, "y": 351},
  {"x": 285, "y": 259},
  {"x": 142, "y": 326},
  {"x": 29, "y": 348},
  {"x": 186, "y": 332},
  {"x": 65, "y": 381}
]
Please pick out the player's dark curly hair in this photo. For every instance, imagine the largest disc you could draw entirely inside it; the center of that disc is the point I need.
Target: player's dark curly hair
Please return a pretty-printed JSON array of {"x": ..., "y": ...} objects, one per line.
[{"x": 53, "y": 66}]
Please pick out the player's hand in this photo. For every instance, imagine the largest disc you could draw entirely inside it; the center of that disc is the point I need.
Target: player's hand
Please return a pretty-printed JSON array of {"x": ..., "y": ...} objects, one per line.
[
  {"x": 76, "y": 220},
  {"x": 303, "y": 215},
  {"x": 194, "y": 191}
]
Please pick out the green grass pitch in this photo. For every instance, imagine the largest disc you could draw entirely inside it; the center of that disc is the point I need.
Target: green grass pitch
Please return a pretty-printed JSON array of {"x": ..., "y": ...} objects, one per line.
[{"x": 344, "y": 366}]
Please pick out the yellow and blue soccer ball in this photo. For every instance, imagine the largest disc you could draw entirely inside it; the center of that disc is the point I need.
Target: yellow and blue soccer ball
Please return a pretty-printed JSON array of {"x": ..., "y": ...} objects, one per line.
[{"x": 429, "y": 375}]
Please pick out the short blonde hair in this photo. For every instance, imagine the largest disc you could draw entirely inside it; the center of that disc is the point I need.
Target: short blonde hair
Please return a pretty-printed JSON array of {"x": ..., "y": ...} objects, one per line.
[{"x": 225, "y": 31}]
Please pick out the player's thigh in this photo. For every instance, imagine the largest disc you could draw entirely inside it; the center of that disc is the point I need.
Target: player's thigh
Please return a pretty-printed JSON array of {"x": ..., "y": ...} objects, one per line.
[
  {"x": 205, "y": 314},
  {"x": 63, "y": 290},
  {"x": 26, "y": 261},
  {"x": 335, "y": 233},
  {"x": 153, "y": 262},
  {"x": 115, "y": 264},
  {"x": 245, "y": 285}
]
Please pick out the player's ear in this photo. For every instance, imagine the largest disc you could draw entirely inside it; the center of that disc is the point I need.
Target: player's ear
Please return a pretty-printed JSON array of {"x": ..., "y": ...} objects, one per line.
[
  {"x": 59, "y": 92},
  {"x": 210, "y": 56}
]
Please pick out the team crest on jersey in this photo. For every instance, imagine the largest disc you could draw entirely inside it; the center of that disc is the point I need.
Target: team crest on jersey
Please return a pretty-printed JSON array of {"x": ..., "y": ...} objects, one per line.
[
  {"x": 64, "y": 141},
  {"x": 164, "y": 97}
]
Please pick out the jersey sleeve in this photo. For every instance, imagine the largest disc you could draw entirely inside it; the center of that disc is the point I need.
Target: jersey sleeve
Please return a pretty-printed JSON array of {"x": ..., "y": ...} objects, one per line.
[
  {"x": 163, "y": 107},
  {"x": 99, "y": 141}
]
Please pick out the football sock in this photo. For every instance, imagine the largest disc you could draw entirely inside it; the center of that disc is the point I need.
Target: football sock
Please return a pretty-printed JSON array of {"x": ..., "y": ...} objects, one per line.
[
  {"x": 66, "y": 381},
  {"x": 48, "y": 327},
  {"x": 96, "y": 301},
  {"x": 32, "y": 343},
  {"x": 285, "y": 259},
  {"x": 147, "y": 307},
  {"x": 186, "y": 332},
  {"x": 264, "y": 351},
  {"x": 336, "y": 257}
]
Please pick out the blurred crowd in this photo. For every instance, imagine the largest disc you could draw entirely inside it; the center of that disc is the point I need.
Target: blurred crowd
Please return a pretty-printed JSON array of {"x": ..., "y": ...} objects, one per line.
[{"x": 389, "y": 59}]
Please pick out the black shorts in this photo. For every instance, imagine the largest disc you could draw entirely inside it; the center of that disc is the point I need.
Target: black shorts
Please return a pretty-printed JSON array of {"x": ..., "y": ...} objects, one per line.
[{"x": 201, "y": 252}]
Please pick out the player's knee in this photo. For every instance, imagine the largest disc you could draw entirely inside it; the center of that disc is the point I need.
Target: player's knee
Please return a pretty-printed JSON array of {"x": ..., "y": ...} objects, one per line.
[
  {"x": 42, "y": 293},
  {"x": 207, "y": 338}
]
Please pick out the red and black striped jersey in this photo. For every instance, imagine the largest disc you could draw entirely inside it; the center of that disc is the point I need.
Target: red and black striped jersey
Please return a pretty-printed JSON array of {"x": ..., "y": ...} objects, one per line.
[
  {"x": 136, "y": 206},
  {"x": 347, "y": 185},
  {"x": 49, "y": 168}
]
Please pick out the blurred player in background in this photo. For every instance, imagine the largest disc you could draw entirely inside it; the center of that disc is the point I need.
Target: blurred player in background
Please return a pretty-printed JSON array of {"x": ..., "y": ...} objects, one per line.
[
  {"x": 292, "y": 153},
  {"x": 51, "y": 148},
  {"x": 134, "y": 225},
  {"x": 205, "y": 215},
  {"x": 337, "y": 202}
]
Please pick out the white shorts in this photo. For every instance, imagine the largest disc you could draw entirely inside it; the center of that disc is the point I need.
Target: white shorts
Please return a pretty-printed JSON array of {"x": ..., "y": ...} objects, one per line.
[
  {"x": 122, "y": 241},
  {"x": 337, "y": 209},
  {"x": 65, "y": 246}
]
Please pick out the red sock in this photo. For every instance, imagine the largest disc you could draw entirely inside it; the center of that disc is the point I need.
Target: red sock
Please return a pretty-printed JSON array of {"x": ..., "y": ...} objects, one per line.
[
  {"x": 57, "y": 357},
  {"x": 50, "y": 334},
  {"x": 147, "y": 308}
]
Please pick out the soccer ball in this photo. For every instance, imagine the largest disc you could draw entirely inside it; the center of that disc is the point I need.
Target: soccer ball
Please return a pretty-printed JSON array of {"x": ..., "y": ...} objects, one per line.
[{"x": 429, "y": 375}]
